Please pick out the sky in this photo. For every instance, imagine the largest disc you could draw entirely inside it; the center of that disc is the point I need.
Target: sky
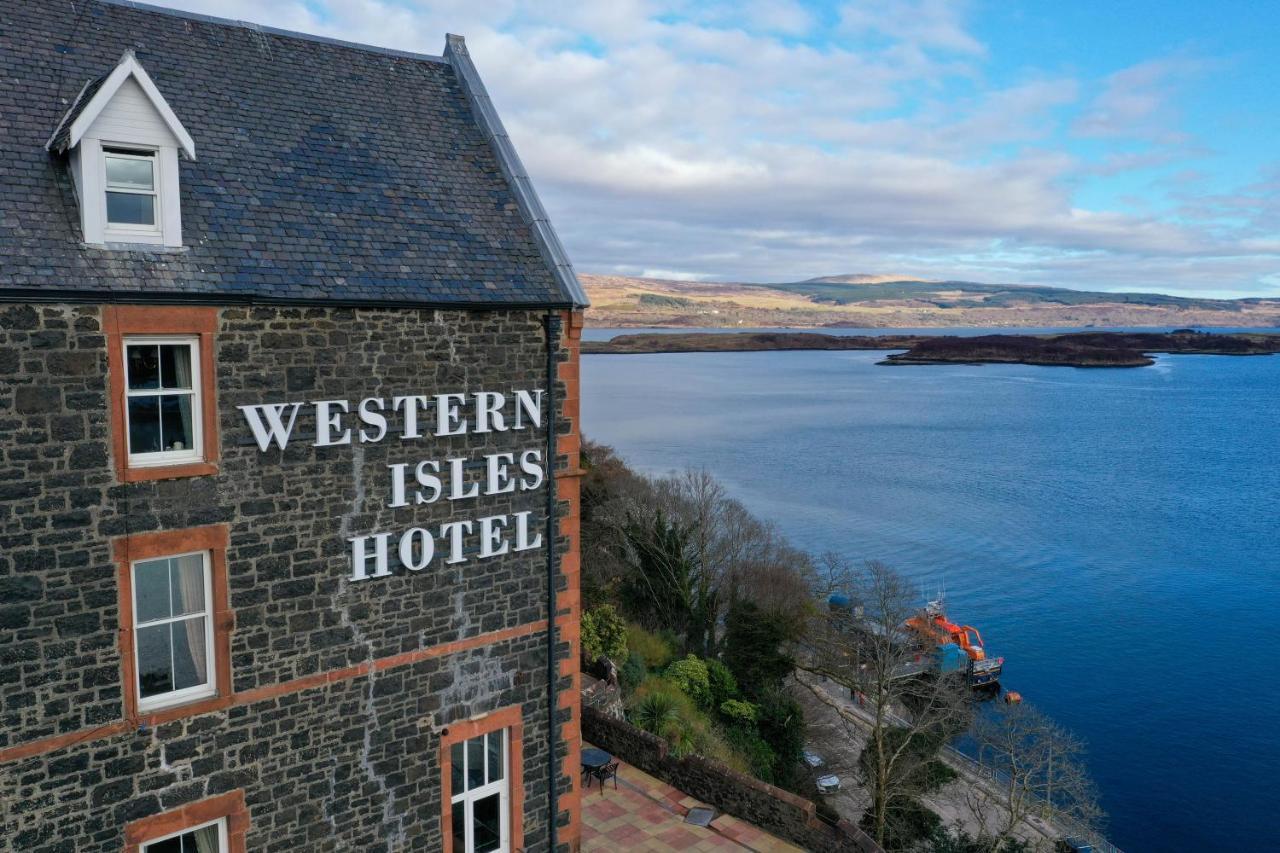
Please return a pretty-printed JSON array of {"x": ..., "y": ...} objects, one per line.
[{"x": 1088, "y": 144}]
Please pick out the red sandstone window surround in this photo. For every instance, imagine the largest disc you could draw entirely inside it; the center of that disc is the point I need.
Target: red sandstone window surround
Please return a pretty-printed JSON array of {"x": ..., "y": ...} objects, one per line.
[
  {"x": 224, "y": 818},
  {"x": 164, "y": 415},
  {"x": 173, "y": 596},
  {"x": 475, "y": 740}
]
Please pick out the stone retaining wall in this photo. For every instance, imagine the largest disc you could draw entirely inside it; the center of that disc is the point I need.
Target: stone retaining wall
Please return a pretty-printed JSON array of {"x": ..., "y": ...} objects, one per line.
[{"x": 772, "y": 809}]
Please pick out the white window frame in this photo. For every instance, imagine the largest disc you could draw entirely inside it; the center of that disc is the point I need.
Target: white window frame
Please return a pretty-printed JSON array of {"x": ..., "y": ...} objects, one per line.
[
  {"x": 502, "y": 787},
  {"x": 224, "y": 845},
  {"x": 159, "y": 458},
  {"x": 125, "y": 230},
  {"x": 186, "y": 694}
]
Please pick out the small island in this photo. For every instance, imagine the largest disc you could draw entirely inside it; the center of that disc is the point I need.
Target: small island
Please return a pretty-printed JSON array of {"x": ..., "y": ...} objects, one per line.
[{"x": 1077, "y": 349}]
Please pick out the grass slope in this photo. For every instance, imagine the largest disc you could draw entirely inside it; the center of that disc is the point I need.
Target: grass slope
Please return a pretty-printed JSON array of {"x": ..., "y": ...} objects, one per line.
[{"x": 967, "y": 294}]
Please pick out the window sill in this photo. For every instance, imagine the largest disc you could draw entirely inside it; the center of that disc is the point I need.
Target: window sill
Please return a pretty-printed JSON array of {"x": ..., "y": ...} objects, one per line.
[
  {"x": 170, "y": 713},
  {"x": 168, "y": 472},
  {"x": 116, "y": 245}
]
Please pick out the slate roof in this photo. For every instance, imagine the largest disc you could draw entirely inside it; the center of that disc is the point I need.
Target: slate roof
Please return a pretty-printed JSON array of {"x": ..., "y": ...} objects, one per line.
[
  {"x": 61, "y": 139},
  {"x": 327, "y": 171}
]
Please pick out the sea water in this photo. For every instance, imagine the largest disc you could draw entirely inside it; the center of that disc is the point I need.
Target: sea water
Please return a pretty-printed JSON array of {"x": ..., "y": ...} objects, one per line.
[{"x": 1111, "y": 532}]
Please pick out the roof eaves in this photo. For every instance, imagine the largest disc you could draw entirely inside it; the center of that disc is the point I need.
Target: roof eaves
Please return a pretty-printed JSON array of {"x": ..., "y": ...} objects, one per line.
[{"x": 544, "y": 235}]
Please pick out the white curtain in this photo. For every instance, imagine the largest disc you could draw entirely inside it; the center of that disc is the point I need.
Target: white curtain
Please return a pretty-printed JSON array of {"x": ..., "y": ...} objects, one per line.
[
  {"x": 182, "y": 367},
  {"x": 190, "y": 576},
  {"x": 208, "y": 839}
]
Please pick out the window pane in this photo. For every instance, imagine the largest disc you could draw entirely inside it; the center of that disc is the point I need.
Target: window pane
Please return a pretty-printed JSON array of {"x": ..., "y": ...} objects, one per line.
[
  {"x": 486, "y": 824},
  {"x": 188, "y": 584},
  {"x": 130, "y": 172},
  {"x": 151, "y": 590},
  {"x": 460, "y": 826},
  {"x": 131, "y": 209},
  {"x": 154, "y": 661},
  {"x": 189, "y": 668},
  {"x": 169, "y": 845},
  {"x": 475, "y": 762},
  {"x": 144, "y": 366},
  {"x": 175, "y": 417},
  {"x": 495, "y": 756},
  {"x": 175, "y": 365},
  {"x": 144, "y": 424},
  {"x": 456, "y": 758}
]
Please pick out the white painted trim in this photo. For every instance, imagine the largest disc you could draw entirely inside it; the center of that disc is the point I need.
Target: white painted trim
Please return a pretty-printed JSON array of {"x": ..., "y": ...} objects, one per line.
[
  {"x": 195, "y": 453},
  {"x": 93, "y": 191},
  {"x": 186, "y": 694},
  {"x": 222, "y": 834},
  {"x": 130, "y": 67},
  {"x": 170, "y": 200}
]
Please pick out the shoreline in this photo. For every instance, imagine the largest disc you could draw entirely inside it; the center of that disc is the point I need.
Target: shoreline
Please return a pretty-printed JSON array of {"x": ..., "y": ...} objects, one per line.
[{"x": 1075, "y": 349}]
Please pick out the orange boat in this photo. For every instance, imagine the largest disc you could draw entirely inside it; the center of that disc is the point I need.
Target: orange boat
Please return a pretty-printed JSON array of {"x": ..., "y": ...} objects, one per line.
[{"x": 959, "y": 647}]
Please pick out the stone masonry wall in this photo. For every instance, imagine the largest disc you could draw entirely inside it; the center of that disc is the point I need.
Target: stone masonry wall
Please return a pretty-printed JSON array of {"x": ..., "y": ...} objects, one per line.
[
  {"x": 345, "y": 765},
  {"x": 772, "y": 809}
]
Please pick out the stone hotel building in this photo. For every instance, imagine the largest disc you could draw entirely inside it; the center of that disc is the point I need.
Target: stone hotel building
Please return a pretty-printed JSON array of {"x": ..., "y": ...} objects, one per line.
[{"x": 288, "y": 447}]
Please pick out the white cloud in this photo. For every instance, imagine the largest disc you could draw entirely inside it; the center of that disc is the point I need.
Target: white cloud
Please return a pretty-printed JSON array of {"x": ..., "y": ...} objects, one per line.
[{"x": 707, "y": 139}]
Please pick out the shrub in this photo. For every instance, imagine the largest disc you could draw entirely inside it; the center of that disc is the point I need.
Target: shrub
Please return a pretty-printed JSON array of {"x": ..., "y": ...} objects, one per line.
[
  {"x": 710, "y": 742},
  {"x": 757, "y": 753},
  {"x": 735, "y": 711},
  {"x": 908, "y": 823},
  {"x": 632, "y": 672},
  {"x": 690, "y": 675},
  {"x": 604, "y": 633},
  {"x": 926, "y": 772},
  {"x": 753, "y": 648},
  {"x": 723, "y": 685},
  {"x": 659, "y": 706},
  {"x": 655, "y": 651},
  {"x": 780, "y": 721}
]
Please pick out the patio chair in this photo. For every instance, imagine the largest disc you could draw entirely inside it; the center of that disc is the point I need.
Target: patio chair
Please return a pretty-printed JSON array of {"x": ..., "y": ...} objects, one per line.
[{"x": 604, "y": 774}]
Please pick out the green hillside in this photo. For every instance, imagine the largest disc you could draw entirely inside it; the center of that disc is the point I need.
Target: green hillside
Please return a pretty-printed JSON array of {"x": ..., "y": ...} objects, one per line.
[{"x": 943, "y": 295}]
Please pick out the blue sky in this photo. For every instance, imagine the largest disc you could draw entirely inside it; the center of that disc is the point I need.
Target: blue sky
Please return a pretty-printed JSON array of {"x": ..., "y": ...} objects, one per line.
[{"x": 1097, "y": 145}]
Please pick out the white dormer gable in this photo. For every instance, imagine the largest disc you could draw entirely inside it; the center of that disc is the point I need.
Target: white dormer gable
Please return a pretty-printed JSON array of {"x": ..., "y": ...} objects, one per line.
[{"x": 123, "y": 142}]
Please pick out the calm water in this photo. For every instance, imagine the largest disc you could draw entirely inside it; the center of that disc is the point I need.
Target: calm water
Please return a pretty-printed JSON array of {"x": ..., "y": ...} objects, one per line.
[{"x": 1112, "y": 533}]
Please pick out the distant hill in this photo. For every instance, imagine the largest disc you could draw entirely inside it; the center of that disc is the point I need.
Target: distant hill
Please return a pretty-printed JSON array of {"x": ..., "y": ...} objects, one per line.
[
  {"x": 863, "y": 278},
  {"x": 879, "y": 301}
]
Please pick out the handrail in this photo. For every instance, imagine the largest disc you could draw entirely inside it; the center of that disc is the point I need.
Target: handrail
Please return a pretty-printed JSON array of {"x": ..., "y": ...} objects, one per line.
[{"x": 977, "y": 768}]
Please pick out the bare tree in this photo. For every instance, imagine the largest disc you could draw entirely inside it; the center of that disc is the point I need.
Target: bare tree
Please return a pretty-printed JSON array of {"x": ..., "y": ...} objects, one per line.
[
  {"x": 714, "y": 550},
  {"x": 906, "y": 710},
  {"x": 1038, "y": 770}
]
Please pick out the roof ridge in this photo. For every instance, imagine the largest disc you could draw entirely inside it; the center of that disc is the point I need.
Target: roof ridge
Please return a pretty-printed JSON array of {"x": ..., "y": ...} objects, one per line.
[{"x": 274, "y": 31}]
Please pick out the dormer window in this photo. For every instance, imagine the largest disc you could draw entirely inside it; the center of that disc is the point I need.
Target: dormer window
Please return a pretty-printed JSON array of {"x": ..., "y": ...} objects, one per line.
[
  {"x": 131, "y": 197},
  {"x": 122, "y": 142}
]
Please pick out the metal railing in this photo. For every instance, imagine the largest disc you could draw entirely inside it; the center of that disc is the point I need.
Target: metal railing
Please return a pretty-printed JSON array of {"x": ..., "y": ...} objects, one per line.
[{"x": 1059, "y": 824}]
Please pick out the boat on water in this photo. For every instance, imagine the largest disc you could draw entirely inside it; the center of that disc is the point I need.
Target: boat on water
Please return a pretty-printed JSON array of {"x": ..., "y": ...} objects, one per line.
[
  {"x": 957, "y": 648},
  {"x": 940, "y": 645}
]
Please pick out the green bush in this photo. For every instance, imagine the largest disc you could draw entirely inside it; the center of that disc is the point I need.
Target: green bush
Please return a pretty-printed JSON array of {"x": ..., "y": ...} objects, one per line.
[
  {"x": 655, "y": 651},
  {"x": 780, "y": 721},
  {"x": 691, "y": 676},
  {"x": 604, "y": 633},
  {"x": 758, "y": 754},
  {"x": 660, "y": 707},
  {"x": 632, "y": 673},
  {"x": 737, "y": 712},
  {"x": 927, "y": 773},
  {"x": 754, "y": 645},
  {"x": 723, "y": 685},
  {"x": 908, "y": 823}
]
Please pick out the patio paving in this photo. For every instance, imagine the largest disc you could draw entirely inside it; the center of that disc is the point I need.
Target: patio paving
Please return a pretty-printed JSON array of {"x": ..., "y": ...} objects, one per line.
[{"x": 646, "y": 814}]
